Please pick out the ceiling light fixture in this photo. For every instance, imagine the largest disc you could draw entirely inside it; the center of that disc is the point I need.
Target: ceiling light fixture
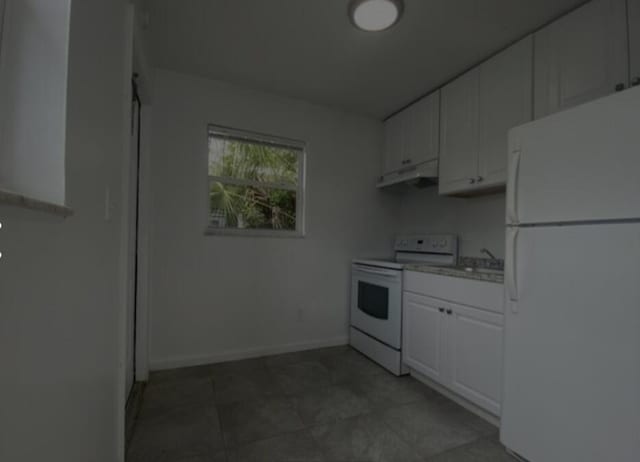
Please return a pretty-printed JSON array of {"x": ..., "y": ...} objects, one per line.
[{"x": 375, "y": 15}]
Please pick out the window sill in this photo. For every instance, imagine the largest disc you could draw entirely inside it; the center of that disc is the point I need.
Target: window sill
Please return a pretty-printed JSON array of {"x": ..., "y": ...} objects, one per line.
[
  {"x": 235, "y": 232},
  {"x": 18, "y": 200}
]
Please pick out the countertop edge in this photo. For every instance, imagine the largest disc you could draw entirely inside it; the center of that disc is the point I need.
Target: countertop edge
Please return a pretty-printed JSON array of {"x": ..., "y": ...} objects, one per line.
[{"x": 456, "y": 273}]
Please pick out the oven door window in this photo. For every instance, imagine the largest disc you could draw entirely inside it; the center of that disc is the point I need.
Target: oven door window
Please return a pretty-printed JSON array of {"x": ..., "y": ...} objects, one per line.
[{"x": 373, "y": 300}]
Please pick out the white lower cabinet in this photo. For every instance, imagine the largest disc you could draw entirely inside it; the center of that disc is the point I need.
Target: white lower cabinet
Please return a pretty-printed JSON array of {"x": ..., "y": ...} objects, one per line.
[
  {"x": 475, "y": 356},
  {"x": 423, "y": 334},
  {"x": 457, "y": 346}
]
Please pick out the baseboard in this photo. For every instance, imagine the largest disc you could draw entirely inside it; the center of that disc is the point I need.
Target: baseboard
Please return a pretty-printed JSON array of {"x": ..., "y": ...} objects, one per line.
[
  {"x": 233, "y": 355},
  {"x": 492, "y": 419}
]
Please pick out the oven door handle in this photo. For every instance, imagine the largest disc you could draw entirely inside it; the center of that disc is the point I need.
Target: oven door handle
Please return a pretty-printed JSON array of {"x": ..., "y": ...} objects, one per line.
[{"x": 378, "y": 272}]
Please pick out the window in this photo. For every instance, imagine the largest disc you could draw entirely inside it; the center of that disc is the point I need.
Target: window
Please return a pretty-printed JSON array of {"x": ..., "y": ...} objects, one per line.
[
  {"x": 256, "y": 184},
  {"x": 34, "y": 79}
]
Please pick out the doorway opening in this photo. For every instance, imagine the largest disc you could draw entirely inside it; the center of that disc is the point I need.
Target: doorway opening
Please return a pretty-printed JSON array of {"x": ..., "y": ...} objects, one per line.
[{"x": 133, "y": 235}]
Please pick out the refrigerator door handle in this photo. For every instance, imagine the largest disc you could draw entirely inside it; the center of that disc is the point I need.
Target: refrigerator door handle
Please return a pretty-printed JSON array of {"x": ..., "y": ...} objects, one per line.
[
  {"x": 512, "y": 276},
  {"x": 512, "y": 187}
]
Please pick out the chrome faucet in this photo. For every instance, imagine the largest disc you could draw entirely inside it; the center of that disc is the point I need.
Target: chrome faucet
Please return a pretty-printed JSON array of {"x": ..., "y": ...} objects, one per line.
[{"x": 489, "y": 254}]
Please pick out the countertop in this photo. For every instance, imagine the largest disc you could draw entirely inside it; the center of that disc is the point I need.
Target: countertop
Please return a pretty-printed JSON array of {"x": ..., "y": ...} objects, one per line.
[{"x": 479, "y": 274}]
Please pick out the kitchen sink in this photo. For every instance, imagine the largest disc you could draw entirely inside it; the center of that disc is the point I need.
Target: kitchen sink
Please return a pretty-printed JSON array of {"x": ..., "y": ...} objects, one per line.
[{"x": 470, "y": 269}]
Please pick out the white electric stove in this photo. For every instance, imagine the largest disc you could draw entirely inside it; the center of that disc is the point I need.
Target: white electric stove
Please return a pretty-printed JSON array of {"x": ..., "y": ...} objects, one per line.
[{"x": 376, "y": 295}]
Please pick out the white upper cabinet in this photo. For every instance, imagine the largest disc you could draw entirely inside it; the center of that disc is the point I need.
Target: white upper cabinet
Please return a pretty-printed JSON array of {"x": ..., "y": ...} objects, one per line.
[
  {"x": 423, "y": 135},
  {"x": 581, "y": 57},
  {"x": 394, "y": 143},
  {"x": 634, "y": 40},
  {"x": 412, "y": 135},
  {"x": 506, "y": 101},
  {"x": 478, "y": 110},
  {"x": 459, "y": 134}
]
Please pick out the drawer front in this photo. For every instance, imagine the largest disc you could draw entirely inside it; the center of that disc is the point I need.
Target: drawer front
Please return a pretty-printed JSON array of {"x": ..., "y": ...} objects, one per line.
[{"x": 479, "y": 294}]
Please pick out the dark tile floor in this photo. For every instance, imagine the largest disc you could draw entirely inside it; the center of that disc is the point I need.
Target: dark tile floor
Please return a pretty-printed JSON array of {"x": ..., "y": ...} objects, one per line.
[{"x": 328, "y": 405}]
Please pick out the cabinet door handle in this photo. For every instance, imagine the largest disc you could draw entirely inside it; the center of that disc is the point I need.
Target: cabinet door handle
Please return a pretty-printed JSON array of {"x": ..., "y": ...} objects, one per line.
[
  {"x": 449, "y": 312},
  {"x": 480, "y": 179},
  {"x": 511, "y": 275},
  {"x": 512, "y": 186},
  {"x": 620, "y": 87},
  {"x": 441, "y": 310},
  {"x": 472, "y": 181},
  {"x": 408, "y": 161}
]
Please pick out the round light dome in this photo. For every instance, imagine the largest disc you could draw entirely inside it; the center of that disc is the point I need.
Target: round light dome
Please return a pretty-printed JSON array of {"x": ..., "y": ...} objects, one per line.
[{"x": 375, "y": 15}]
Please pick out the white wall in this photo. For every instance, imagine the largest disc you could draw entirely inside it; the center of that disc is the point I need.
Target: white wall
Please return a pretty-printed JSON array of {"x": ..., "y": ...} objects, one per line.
[
  {"x": 479, "y": 221},
  {"x": 60, "y": 309},
  {"x": 33, "y": 100},
  {"x": 216, "y": 298}
]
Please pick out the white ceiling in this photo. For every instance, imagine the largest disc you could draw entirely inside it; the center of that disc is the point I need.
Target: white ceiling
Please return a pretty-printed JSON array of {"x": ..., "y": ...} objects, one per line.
[{"x": 308, "y": 49}]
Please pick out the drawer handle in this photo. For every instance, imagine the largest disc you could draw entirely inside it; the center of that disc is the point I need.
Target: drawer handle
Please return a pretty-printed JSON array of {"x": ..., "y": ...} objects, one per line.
[
  {"x": 449, "y": 312},
  {"x": 441, "y": 310}
]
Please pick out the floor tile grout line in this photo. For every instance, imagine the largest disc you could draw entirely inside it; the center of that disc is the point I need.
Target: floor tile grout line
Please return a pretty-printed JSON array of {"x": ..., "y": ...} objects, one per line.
[
  {"x": 306, "y": 427},
  {"x": 395, "y": 432},
  {"x": 478, "y": 437},
  {"x": 309, "y": 427},
  {"x": 352, "y": 382},
  {"x": 457, "y": 448}
]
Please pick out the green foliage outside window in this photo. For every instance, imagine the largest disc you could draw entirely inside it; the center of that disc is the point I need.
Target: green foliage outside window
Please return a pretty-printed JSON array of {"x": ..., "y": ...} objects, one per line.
[{"x": 252, "y": 185}]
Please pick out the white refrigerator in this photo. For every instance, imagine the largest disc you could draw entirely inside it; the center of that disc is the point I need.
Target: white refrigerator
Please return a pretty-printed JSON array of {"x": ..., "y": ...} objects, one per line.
[{"x": 572, "y": 338}]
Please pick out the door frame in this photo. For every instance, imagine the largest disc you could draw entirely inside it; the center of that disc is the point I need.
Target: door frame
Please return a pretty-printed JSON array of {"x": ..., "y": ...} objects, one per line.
[
  {"x": 132, "y": 219},
  {"x": 135, "y": 62}
]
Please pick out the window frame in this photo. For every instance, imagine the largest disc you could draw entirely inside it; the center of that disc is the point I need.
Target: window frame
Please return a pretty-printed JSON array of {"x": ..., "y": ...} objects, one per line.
[{"x": 254, "y": 137}]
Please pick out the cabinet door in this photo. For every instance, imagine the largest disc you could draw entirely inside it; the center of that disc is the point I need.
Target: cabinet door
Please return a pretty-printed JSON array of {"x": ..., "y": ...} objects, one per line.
[
  {"x": 459, "y": 134},
  {"x": 393, "y": 143},
  {"x": 581, "y": 56},
  {"x": 423, "y": 133},
  {"x": 506, "y": 100},
  {"x": 475, "y": 339},
  {"x": 634, "y": 40},
  {"x": 423, "y": 335}
]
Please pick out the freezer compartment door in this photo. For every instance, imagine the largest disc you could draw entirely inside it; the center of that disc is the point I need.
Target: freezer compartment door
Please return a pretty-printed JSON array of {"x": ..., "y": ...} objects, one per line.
[
  {"x": 579, "y": 165},
  {"x": 572, "y": 344}
]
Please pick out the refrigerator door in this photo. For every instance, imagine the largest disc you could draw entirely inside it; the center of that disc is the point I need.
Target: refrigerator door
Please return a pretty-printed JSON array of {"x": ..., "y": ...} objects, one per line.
[
  {"x": 572, "y": 344},
  {"x": 579, "y": 165}
]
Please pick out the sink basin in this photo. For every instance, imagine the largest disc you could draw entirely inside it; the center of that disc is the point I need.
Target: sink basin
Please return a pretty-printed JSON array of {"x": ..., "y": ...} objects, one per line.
[{"x": 470, "y": 269}]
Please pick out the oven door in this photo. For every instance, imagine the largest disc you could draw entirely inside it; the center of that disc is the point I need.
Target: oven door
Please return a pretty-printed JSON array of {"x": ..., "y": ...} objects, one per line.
[{"x": 376, "y": 303}]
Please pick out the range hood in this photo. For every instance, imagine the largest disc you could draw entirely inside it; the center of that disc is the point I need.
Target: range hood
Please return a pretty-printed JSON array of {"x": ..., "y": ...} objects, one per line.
[{"x": 419, "y": 176}]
